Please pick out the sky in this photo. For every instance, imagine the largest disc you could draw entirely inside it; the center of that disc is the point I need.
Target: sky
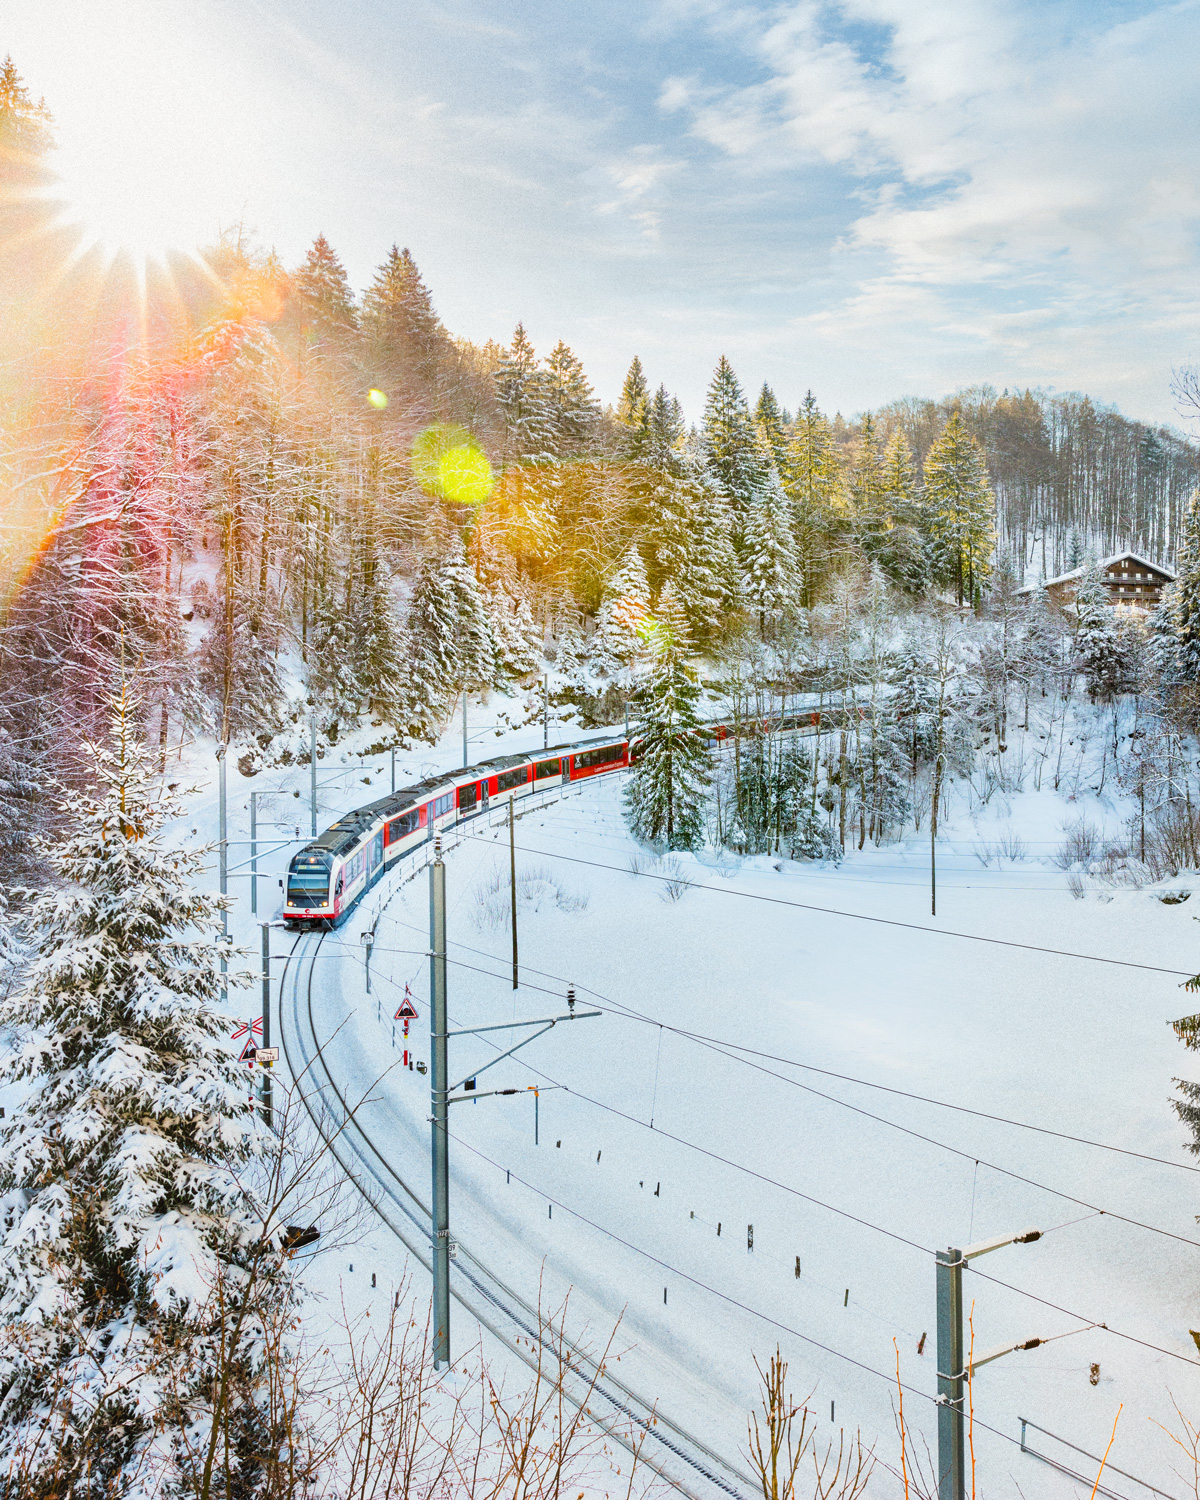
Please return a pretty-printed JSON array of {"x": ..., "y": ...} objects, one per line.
[{"x": 871, "y": 199}]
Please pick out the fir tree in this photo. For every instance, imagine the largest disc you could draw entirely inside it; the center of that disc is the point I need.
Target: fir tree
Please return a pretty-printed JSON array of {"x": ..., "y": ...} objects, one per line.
[
  {"x": 901, "y": 550},
  {"x": 1185, "y": 596},
  {"x": 770, "y": 420},
  {"x": 771, "y": 580},
  {"x": 961, "y": 506},
  {"x": 813, "y": 483},
  {"x": 688, "y": 530},
  {"x": 1097, "y": 641},
  {"x": 25, "y": 125},
  {"x": 665, "y": 433},
  {"x": 450, "y": 642},
  {"x": 624, "y": 609},
  {"x": 572, "y": 407},
  {"x": 732, "y": 451},
  {"x": 665, "y": 799},
  {"x": 129, "y": 1248},
  {"x": 522, "y": 393},
  {"x": 633, "y": 413},
  {"x": 322, "y": 290},
  {"x": 406, "y": 341}
]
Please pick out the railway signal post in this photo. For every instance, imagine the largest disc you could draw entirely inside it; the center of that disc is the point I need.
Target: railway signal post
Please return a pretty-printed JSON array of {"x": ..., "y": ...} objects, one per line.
[
  {"x": 267, "y": 1101},
  {"x": 442, "y": 1095}
]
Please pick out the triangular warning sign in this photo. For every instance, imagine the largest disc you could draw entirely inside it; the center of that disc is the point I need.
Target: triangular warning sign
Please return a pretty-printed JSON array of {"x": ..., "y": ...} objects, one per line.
[
  {"x": 250, "y": 1049},
  {"x": 407, "y": 1012}
]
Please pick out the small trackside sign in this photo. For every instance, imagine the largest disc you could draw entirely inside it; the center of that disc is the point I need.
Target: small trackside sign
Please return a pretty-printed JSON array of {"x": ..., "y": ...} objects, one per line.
[
  {"x": 248, "y": 1053},
  {"x": 407, "y": 1012},
  {"x": 266, "y": 1054}
]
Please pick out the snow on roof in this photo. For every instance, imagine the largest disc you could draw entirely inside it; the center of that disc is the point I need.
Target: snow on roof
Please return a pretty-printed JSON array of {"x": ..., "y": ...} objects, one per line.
[{"x": 1105, "y": 562}]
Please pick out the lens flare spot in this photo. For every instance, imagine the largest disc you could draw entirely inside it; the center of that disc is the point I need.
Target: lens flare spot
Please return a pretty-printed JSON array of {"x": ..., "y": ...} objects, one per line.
[
  {"x": 448, "y": 462},
  {"x": 377, "y": 399}
]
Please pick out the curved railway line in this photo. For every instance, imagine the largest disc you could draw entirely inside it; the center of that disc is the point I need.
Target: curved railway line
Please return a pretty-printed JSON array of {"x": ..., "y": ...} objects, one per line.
[{"x": 676, "y": 1455}]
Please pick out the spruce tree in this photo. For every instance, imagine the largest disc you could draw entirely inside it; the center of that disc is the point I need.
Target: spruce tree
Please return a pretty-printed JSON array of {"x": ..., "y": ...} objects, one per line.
[
  {"x": 902, "y": 550},
  {"x": 572, "y": 407},
  {"x": 451, "y": 646},
  {"x": 812, "y": 480},
  {"x": 772, "y": 582},
  {"x": 1098, "y": 647},
  {"x": 624, "y": 608},
  {"x": 406, "y": 342},
  {"x": 961, "y": 508},
  {"x": 130, "y": 1248},
  {"x": 633, "y": 413},
  {"x": 322, "y": 291},
  {"x": 733, "y": 454},
  {"x": 665, "y": 798},
  {"x": 771, "y": 422},
  {"x": 523, "y": 395},
  {"x": 1185, "y": 595},
  {"x": 687, "y": 528}
]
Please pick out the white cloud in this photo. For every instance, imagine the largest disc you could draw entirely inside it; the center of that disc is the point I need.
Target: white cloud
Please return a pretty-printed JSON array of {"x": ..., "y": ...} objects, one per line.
[{"x": 1016, "y": 170}]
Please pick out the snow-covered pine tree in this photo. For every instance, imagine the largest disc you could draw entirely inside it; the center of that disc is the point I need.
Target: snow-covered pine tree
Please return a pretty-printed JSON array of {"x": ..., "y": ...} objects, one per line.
[
  {"x": 665, "y": 799},
  {"x": 517, "y": 643},
  {"x": 961, "y": 507},
  {"x": 687, "y": 527},
  {"x": 323, "y": 302},
  {"x": 1097, "y": 643},
  {"x": 130, "y": 1248},
  {"x": 524, "y": 397},
  {"x": 450, "y": 641},
  {"x": 571, "y": 403},
  {"x": 407, "y": 346},
  {"x": 1185, "y": 605},
  {"x": 624, "y": 607},
  {"x": 633, "y": 413},
  {"x": 771, "y": 422},
  {"x": 732, "y": 451},
  {"x": 812, "y": 480},
  {"x": 902, "y": 552},
  {"x": 772, "y": 581}
]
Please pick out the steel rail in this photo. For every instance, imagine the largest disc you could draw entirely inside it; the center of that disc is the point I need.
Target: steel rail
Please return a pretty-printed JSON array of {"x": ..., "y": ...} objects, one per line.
[{"x": 414, "y": 1235}]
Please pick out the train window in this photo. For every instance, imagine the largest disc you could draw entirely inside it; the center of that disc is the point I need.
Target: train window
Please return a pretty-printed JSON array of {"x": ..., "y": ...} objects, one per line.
[
  {"x": 401, "y": 827},
  {"x": 516, "y": 777},
  {"x": 547, "y": 768},
  {"x": 468, "y": 796},
  {"x": 443, "y": 805},
  {"x": 604, "y": 757}
]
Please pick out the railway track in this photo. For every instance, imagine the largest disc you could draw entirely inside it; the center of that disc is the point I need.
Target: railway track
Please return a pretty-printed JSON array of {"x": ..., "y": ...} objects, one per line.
[{"x": 676, "y": 1455}]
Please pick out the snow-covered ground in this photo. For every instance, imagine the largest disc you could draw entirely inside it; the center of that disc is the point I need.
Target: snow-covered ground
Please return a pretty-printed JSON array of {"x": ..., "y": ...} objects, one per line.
[{"x": 859, "y": 1204}]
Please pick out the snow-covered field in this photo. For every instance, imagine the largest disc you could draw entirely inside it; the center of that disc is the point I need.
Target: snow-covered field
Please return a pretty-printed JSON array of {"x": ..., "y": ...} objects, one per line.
[{"x": 627, "y": 1211}]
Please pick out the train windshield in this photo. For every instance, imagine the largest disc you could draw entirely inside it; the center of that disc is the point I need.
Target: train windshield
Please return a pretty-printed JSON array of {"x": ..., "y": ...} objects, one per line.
[{"x": 308, "y": 883}]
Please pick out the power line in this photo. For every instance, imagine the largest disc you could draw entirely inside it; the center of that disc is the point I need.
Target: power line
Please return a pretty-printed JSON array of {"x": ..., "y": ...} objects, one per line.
[
  {"x": 719, "y": 1042},
  {"x": 855, "y": 916},
  {"x": 807, "y": 1088}
]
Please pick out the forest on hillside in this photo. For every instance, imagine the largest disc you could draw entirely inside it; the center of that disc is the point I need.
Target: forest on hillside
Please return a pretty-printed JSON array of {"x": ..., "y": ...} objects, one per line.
[{"x": 268, "y": 497}]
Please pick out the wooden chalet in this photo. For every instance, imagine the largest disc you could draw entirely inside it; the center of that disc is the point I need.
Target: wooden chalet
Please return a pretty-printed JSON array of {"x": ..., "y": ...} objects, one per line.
[{"x": 1130, "y": 580}]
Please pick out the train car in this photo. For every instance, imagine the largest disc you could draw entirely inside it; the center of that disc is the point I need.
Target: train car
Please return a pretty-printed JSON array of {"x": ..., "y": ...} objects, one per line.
[{"x": 329, "y": 876}]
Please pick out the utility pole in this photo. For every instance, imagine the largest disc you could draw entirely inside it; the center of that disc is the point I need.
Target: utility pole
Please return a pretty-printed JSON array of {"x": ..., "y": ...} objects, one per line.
[
  {"x": 367, "y": 939},
  {"x": 546, "y": 711},
  {"x": 223, "y": 850},
  {"x": 438, "y": 1092},
  {"x": 254, "y": 854},
  {"x": 312, "y": 746},
  {"x": 466, "y": 762},
  {"x": 951, "y": 1371},
  {"x": 266, "y": 1022},
  {"x": 442, "y": 1095},
  {"x": 512, "y": 878},
  {"x": 393, "y": 768}
]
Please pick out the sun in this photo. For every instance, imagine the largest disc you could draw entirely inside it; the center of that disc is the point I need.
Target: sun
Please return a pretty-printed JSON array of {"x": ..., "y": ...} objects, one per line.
[{"x": 126, "y": 207}]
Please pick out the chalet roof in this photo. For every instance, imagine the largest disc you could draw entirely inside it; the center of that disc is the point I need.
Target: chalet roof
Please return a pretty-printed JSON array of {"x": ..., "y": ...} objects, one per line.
[{"x": 1105, "y": 562}]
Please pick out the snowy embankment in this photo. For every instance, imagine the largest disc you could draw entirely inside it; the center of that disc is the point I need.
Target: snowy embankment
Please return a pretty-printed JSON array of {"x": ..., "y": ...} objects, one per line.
[{"x": 628, "y": 1214}]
